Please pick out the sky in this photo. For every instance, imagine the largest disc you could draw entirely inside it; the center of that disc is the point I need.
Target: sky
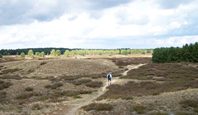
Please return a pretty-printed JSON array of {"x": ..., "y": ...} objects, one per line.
[{"x": 97, "y": 23}]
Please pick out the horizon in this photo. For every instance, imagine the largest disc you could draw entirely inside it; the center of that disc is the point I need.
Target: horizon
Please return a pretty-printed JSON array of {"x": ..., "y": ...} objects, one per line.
[{"x": 88, "y": 24}]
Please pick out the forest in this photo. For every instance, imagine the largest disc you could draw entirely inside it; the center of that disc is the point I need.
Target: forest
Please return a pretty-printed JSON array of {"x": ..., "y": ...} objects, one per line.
[
  {"x": 72, "y": 52},
  {"x": 187, "y": 53}
]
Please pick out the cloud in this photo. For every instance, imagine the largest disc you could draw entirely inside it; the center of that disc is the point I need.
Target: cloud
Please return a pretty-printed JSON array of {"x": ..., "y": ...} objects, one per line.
[
  {"x": 169, "y": 4},
  {"x": 97, "y": 24}
]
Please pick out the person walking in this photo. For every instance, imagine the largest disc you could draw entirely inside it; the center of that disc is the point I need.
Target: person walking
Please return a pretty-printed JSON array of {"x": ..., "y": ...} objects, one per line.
[{"x": 109, "y": 78}]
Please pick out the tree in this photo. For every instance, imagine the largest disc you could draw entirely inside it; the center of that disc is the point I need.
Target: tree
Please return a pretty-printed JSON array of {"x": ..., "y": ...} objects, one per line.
[
  {"x": 42, "y": 54},
  {"x": 22, "y": 54},
  {"x": 53, "y": 52},
  {"x": 30, "y": 53},
  {"x": 37, "y": 54},
  {"x": 58, "y": 52},
  {"x": 67, "y": 53}
]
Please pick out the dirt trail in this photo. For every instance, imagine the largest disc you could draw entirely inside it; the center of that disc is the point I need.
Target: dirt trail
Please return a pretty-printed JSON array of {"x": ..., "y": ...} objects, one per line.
[{"x": 72, "y": 107}]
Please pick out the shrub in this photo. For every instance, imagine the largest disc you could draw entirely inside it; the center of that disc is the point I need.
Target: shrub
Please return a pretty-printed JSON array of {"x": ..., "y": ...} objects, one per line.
[
  {"x": 81, "y": 81},
  {"x": 4, "y": 85},
  {"x": 98, "y": 107},
  {"x": 22, "y": 54},
  {"x": 29, "y": 89},
  {"x": 54, "y": 85},
  {"x": 1, "y": 56},
  {"x": 2, "y": 96},
  {"x": 139, "y": 109},
  {"x": 94, "y": 84}
]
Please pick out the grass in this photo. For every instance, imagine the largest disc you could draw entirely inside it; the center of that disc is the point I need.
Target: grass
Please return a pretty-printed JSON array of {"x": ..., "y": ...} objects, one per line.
[
  {"x": 158, "y": 113},
  {"x": 2, "y": 96},
  {"x": 139, "y": 109},
  {"x": 13, "y": 76},
  {"x": 26, "y": 95},
  {"x": 190, "y": 104},
  {"x": 43, "y": 63},
  {"x": 29, "y": 89},
  {"x": 4, "y": 85},
  {"x": 94, "y": 84},
  {"x": 54, "y": 85},
  {"x": 177, "y": 76},
  {"x": 6, "y": 71},
  {"x": 98, "y": 107},
  {"x": 120, "y": 62},
  {"x": 81, "y": 81}
]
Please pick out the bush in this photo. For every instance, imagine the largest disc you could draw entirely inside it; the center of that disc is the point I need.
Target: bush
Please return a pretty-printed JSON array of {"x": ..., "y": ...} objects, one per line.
[
  {"x": 54, "y": 85},
  {"x": 1, "y": 56},
  {"x": 98, "y": 107},
  {"x": 81, "y": 81},
  {"x": 29, "y": 89},
  {"x": 22, "y": 54},
  {"x": 139, "y": 109},
  {"x": 2, "y": 96},
  {"x": 94, "y": 84},
  {"x": 4, "y": 85}
]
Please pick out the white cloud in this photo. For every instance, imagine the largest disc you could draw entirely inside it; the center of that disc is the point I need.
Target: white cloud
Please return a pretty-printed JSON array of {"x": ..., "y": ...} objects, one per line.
[{"x": 136, "y": 21}]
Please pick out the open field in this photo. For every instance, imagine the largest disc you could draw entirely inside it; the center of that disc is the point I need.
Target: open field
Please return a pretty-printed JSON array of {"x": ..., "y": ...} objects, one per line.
[{"x": 78, "y": 86}]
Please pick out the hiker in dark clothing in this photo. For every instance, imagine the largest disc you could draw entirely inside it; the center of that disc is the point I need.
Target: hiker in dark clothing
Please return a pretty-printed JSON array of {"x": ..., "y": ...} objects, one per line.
[{"x": 109, "y": 78}]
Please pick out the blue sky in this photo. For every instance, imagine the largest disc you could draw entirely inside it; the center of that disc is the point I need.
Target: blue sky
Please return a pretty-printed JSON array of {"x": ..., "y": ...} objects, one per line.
[{"x": 97, "y": 23}]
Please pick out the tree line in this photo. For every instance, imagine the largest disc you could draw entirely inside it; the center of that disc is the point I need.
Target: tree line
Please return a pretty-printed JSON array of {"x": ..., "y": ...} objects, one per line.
[
  {"x": 187, "y": 53},
  {"x": 41, "y": 52}
]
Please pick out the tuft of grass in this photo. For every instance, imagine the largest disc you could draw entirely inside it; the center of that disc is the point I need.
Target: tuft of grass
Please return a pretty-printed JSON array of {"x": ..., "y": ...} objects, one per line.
[
  {"x": 94, "y": 84},
  {"x": 77, "y": 97},
  {"x": 29, "y": 89},
  {"x": 2, "y": 96},
  {"x": 190, "y": 104},
  {"x": 6, "y": 71},
  {"x": 139, "y": 109},
  {"x": 25, "y": 96},
  {"x": 43, "y": 63},
  {"x": 158, "y": 113},
  {"x": 81, "y": 81},
  {"x": 4, "y": 85},
  {"x": 54, "y": 85},
  {"x": 183, "y": 113},
  {"x": 98, "y": 107},
  {"x": 36, "y": 107},
  {"x": 13, "y": 76}
]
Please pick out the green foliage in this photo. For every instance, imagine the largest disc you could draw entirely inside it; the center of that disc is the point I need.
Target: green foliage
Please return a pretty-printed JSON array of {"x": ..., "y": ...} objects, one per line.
[
  {"x": 1, "y": 56},
  {"x": 55, "y": 52},
  {"x": 22, "y": 54},
  {"x": 40, "y": 54},
  {"x": 188, "y": 53},
  {"x": 30, "y": 53},
  {"x": 73, "y": 52},
  {"x": 58, "y": 52}
]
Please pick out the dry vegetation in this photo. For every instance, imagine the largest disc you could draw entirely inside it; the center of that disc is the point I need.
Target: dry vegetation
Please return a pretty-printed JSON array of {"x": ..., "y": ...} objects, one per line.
[
  {"x": 147, "y": 90},
  {"x": 38, "y": 86},
  {"x": 41, "y": 86}
]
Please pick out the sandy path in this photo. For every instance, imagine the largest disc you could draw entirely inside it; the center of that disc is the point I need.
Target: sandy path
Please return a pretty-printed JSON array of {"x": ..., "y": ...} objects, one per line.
[{"x": 72, "y": 107}]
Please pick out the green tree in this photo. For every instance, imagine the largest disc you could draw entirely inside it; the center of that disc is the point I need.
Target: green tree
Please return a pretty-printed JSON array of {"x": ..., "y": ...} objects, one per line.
[
  {"x": 53, "y": 52},
  {"x": 37, "y": 54},
  {"x": 67, "y": 53},
  {"x": 42, "y": 54},
  {"x": 58, "y": 53},
  {"x": 30, "y": 53},
  {"x": 22, "y": 54}
]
